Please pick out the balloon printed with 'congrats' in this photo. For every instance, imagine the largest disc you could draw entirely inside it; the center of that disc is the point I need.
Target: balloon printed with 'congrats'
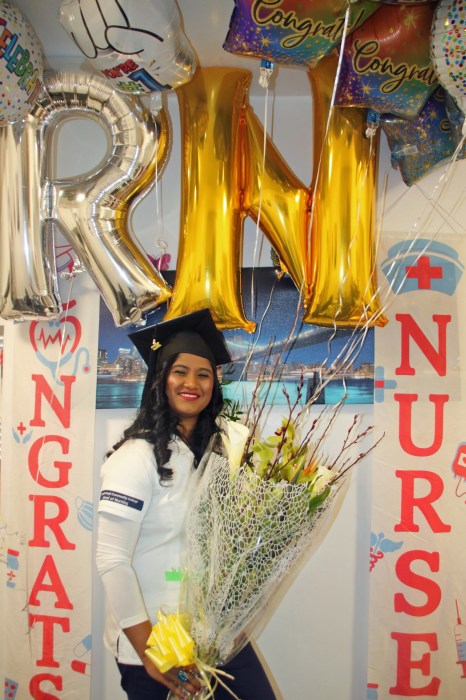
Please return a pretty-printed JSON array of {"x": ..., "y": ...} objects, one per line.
[
  {"x": 290, "y": 32},
  {"x": 386, "y": 63},
  {"x": 20, "y": 65}
]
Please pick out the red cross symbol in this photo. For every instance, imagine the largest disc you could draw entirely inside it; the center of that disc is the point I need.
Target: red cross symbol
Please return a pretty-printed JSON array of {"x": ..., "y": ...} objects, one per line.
[
  {"x": 21, "y": 428},
  {"x": 11, "y": 575},
  {"x": 423, "y": 272}
]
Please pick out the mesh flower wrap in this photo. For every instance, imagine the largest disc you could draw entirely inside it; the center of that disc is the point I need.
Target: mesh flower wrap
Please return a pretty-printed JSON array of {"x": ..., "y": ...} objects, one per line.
[{"x": 243, "y": 536}]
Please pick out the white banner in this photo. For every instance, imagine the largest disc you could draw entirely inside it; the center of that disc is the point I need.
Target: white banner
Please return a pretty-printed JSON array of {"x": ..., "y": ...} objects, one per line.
[
  {"x": 417, "y": 621},
  {"x": 49, "y": 378}
]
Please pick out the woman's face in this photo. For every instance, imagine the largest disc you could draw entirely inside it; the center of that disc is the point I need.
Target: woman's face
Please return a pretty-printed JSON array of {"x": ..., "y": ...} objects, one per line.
[{"x": 190, "y": 382}]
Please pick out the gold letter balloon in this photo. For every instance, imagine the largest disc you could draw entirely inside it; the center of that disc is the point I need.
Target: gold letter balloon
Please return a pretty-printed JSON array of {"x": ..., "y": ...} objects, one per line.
[
  {"x": 91, "y": 210},
  {"x": 341, "y": 269},
  {"x": 323, "y": 235}
]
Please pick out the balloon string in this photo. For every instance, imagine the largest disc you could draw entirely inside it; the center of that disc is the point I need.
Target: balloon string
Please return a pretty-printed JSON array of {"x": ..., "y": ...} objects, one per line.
[
  {"x": 391, "y": 288},
  {"x": 388, "y": 292},
  {"x": 353, "y": 237},
  {"x": 258, "y": 235},
  {"x": 432, "y": 201},
  {"x": 329, "y": 117},
  {"x": 318, "y": 171},
  {"x": 257, "y": 335},
  {"x": 259, "y": 331},
  {"x": 159, "y": 242},
  {"x": 419, "y": 224},
  {"x": 157, "y": 185},
  {"x": 65, "y": 320}
]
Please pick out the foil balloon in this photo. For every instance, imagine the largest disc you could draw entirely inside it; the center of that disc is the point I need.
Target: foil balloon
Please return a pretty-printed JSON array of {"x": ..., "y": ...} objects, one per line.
[
  {"x": 276, "y": 199},
  {"x": 448, "y": 45},
  {"x": 386, "y": 63},
  {"x": 28, "y": 279},
  {"x": 210, "y": 243},
  {"x": 342, "y": 268},
  {"x": 292, "y": 32},
  {"x": 419, "y": 146},
  {"x": 138, "y": 46},
  {"x": 20, "y": 65},
  {"x": 91, "y": 210},
  {"x": 223, "y": 182},
  {"x": 457, "y": 120},
  {"x": 228, "y": 176}
]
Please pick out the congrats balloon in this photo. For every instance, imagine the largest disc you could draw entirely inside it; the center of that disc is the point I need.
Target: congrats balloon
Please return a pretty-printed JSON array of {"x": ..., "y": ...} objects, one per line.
[
  {"x": 449, "y": 48},
  {"x": 292, "y": 32},
  {"x": 20, "y": 65},
  {"x": 386, "y": 63},
  {"x": 139, "y": 46}
]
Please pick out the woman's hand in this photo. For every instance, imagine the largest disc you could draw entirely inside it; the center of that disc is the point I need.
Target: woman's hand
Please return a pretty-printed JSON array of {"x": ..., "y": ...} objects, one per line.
[{"x": 174, "y": 679}]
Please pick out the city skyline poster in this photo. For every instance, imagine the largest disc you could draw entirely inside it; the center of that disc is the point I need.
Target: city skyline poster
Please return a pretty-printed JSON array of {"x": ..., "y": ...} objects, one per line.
[{"x": 323, "y": 363}]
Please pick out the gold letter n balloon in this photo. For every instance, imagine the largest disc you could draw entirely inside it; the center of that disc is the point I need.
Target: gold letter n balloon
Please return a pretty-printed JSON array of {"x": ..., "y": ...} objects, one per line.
[{"x": 326, "y": 247}]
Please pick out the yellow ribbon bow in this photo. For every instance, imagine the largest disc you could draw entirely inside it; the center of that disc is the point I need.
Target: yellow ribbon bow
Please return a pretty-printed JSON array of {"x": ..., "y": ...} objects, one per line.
[{"x": 170, "y": 645}]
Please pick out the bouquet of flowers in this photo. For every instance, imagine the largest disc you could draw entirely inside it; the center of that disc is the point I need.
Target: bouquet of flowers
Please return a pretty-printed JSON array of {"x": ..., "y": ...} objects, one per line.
[{"x": 255, "y": 510}]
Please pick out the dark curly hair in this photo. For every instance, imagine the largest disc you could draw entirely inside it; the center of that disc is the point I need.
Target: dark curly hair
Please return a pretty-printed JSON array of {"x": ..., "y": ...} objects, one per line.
[{"x": 157, "y": 423}]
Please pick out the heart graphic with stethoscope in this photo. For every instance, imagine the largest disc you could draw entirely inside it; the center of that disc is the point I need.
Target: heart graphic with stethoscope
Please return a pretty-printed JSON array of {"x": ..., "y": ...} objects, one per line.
[{"x": 56, "y": 343}]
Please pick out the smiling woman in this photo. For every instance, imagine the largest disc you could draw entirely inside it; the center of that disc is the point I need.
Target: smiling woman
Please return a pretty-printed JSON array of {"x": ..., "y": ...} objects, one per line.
[
  {"x": 146, "y": 490},
  {"x": 189, "y": 388}
]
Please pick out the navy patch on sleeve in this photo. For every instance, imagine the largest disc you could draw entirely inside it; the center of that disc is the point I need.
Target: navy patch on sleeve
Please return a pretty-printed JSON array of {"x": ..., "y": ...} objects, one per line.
[{"x": 122, "y": 498}]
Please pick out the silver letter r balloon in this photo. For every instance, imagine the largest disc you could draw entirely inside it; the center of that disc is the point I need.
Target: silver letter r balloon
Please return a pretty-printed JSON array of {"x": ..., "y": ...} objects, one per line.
[{"x": 91, "y": 210}]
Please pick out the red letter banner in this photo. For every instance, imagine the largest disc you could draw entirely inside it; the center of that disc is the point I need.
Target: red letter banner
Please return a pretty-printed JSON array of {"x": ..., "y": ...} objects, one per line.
[
  {"x": 49, "y": 379},
  {"x": 417, "y": 611}
]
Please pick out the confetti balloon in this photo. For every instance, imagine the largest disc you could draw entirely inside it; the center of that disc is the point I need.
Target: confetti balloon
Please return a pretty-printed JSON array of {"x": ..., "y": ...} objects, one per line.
[
  {"x": 449, "y": 48},
  {"x": 292, "y": 32},
  {"x": 20, "y": 65},
  {"x": 386, "y": 64},
  {"x": 419, "y": 146}
]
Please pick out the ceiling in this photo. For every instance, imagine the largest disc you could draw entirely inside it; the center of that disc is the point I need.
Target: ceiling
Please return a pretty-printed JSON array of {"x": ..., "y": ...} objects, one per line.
[{"x": 206, "y": 24}]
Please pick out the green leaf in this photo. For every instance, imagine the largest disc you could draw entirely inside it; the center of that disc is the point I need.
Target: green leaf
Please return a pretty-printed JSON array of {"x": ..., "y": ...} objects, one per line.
[{"x": 317, "y": 500}]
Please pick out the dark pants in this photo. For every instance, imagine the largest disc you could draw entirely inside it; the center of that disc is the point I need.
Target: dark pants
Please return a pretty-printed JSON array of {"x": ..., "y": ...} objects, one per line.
[{"x": 250, "y": 681}]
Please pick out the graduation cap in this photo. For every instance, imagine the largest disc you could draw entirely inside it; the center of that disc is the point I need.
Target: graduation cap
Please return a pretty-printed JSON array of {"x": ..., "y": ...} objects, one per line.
[{"x": 195, "y": 333}]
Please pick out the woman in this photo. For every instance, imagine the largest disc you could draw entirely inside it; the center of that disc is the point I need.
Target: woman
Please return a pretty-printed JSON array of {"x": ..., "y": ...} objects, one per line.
[{"x": 146, "y": 484}]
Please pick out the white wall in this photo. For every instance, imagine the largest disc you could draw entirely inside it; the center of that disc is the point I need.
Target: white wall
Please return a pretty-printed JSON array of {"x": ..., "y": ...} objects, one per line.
[{"x": 315, "y": 639}]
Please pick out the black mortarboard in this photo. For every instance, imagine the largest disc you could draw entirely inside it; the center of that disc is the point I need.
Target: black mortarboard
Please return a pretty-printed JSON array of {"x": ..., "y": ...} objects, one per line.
[{"x": 195, "y": 333}]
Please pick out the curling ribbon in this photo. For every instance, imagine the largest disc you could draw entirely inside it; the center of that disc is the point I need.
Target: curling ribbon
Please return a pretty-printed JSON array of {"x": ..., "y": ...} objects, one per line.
[{"x": 170, "y": 645}]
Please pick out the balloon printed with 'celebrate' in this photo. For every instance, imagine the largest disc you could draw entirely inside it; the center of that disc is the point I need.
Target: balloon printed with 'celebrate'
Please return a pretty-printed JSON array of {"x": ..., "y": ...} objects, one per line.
[{"x": 20, "y": 65}]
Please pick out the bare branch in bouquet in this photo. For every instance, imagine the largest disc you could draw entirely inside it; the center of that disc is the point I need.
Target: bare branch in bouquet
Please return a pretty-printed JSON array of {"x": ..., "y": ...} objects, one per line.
[
  {"x": 282, "y": 432},
  {"x": 342, "y": 471}
]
